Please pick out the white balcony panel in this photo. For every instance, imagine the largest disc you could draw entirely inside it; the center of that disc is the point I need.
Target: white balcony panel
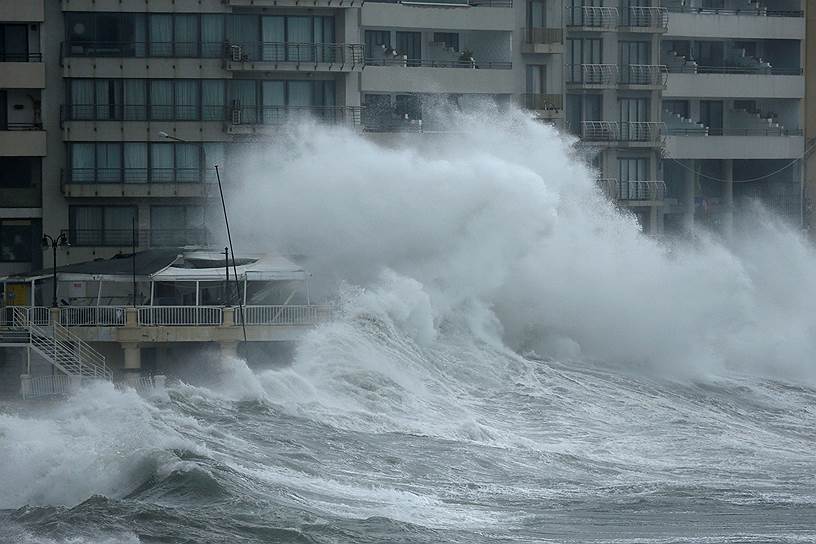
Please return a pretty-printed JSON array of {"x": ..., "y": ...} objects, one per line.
[
  {"x": 389, "y": 79},
  {"x": 702, "y": 25},
  {"x": 141, "y": 68},
  {"x": 22, "y": 75},
  {"x": 734, "y": 147},
  {"x": 22, "y": 143},
  {"x": 734, "y": 86},
  {"x": 156, "y": 6},
  {"x": 446, "y": 18},
  {"x": 28, "y": 11}
]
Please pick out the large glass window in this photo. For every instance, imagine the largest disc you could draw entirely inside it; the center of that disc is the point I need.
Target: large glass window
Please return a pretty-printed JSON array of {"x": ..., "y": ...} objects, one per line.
[
  {"x": 213, "y": 99},
  {"x": 187, "y": 99},
  {"x": 140, "y": 162},
  {"x": 14, "y": 43},
  {"x": 18, "y": 172},
  {"x": 101, "y": 225},
  {"x": 16, "y": 241},
  {"x": 176, "y": 225},
  {"x": 212, "y": 36},
  {"x": 161, "y": 99}
]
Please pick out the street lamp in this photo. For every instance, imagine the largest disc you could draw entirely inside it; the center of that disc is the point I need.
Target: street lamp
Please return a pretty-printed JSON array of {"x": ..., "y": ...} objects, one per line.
[
  {"x": 164, "y": 134},
  {"x": 54, "y": 243}
]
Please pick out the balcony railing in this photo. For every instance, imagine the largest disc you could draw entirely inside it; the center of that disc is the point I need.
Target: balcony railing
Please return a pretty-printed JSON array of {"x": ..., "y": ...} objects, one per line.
[
  {"x": 144, "y": 237},
  {"x": 592, "y": 74},
  {"x": 141, "y": 112},
  {"x": 643, "y": 74},
  {"x": 285, "y": 315},
  {"x": 641, "y": 190},
  {"x": 757, "y": 12},
  {"x": 142, "y": 49},
  {"x": 609, "y": 187},
  {"x": 693, "y": 68},
  {"x": 20, "y": 57},
  {"x": 628, "y": 131},
  {"x": 646, "y": 17},
  {"x": 448, "y": 3},
  {"x": 134, "y": 175},
  {"x": 281, "y": 115},
  {"x": 592, "y": 17},
  {"x": 283, "y": 52},
  {"x": 180, "y": 316},
  {"x": 25, "y": 125},
  {"x": 762, "y": 131},
  {"x": 535, "y": 35},
  {"x": 92, "y": 316},
  {"x": 404, "y": 62},
  {"x": 540, "y": 102}
]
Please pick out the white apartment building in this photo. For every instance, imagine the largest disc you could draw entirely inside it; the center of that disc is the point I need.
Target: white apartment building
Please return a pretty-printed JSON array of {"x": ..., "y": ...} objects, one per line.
[{"x": 665, "y": 101}]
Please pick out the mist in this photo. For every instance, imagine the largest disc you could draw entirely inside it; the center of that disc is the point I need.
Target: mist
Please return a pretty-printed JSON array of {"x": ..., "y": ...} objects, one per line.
[{"x": 498, "y": 226}]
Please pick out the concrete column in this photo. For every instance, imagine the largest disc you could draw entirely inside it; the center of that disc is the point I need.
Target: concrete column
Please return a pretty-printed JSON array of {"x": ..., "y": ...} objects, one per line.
[
  {"x": 25, "y": 386},
  {"x": 229, "y": 317},
  {"x": 229, "y": 350},
  {"x": 654, "y": 220},
  {"x": 131, "y": 317},
  {"x": 133, "y": 358},
  {"x": 728, "y": 197},
  {"x": 54, "y": 314},
  {"x": 75, "y": 384},
  {"x": 688, "y": 196}
]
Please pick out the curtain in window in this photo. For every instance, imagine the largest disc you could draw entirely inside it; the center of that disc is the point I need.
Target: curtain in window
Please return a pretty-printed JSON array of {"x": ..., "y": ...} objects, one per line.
[
  {"x": 212, "y": 97},
  {"x": 82, "y": 99},
  {"x": 118, "y": 221},
  {"x": 135, "y": 163},
  {"x": 82, "y": 163},
  {"x": 161, "y": 35},
  {"x": 324, "y": 37},
  {"x": 243, "y": 96},
  {"x": 86, "y": 225},
  {"x": 274, "y": 100},
  {"x": 273, "y": 37},
  {"x": 188, "y": 166},
  {"x": 161, "y": 163},
  {"x": 105, "y": 99},
  {"x": 186, "y": 35},
  {"x": 244, "y": 30},
  {"x": 214, "y": 153},
  {"x": 166, "y": 223},
  {"x": 108, "y": 163},
  {"x": 161, "y": 99},
  {"x": 324, "y": 93},
  {"x": 299, "y": 39},
  {"x": 212, "y": 36},
  {"x": 187, "y": 103},
  {"x": 300, "y": 93},
  {"x": 135, "y": 100},
  {"x": 139, "y": 34},
  {"x": 194, "y": 217}
]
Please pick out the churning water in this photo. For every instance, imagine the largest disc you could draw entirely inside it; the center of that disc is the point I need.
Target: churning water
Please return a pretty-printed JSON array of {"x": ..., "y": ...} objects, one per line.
[{"x": 513, "y": 362}]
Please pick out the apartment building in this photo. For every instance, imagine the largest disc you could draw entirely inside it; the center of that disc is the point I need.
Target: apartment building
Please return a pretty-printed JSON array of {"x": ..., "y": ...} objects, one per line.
[
  {"x": 733, "y": 109},
  {"x": 22, "y": 135}
]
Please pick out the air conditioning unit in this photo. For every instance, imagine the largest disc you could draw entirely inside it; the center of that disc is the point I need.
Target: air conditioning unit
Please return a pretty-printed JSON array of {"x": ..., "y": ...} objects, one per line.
[
  {"x": 236, "y": 54},
  {"x": 236, "y": 114}
]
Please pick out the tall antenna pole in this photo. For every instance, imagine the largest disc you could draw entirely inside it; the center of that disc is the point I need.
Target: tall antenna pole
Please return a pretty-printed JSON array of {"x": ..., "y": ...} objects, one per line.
[
  {"x": 232, "y": 252},
  {"x": 133, "y": 257}
]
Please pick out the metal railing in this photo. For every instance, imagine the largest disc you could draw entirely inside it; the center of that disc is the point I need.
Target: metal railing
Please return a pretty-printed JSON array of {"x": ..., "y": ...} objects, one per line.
[
  {"x": 144, "y": 237},
  {"x": 92, "y": 316},
  {"x": 534, "y": 35},
  {"x": 609, "y": 187},
  {"x": 401, "y": 60},
  {"x": 628, "y": 131},
  {"x": 327, "y": 53},
  {"x": 694, "y": 68},
  {"x": 135, "y": 175},
  {"x": 592, "y": 17},
  {"x": 285, "y": 315},
  {"x": 279, "y": 115},
  {"x": 540, "y": 102},
  {"x": 11, "y": 316},
  {"x": 647, "y": 17},
  {"x": 46, "y": 386},
  {"x": 643, "y": 74},
  {"x": 180, "y": 316},
  {"x": 141, "y": 112},
  {"x": 25, "y": 125},
  {"x": 758, "y": 12},
  {"x": 707, "y": 131},
  {"x": 592, "y": 74},
  {"x": 641, "y": 190},
  {"x": 141, "y": 49},
  {"x": 20, "y": 57}
]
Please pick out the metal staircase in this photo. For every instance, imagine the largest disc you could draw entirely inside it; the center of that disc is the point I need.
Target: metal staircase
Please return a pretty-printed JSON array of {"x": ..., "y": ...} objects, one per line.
[{"x": 56, "y": 344}]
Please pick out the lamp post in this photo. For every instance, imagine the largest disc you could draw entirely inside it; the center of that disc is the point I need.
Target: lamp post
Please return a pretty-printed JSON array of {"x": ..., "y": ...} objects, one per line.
[
  {"x": 164, "y": 134},
  {"x": 54, "y": 243}
]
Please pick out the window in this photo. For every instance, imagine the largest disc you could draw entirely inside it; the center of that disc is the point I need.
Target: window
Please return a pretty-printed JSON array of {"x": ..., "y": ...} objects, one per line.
[
  {"x": 377, "y": 45},
  {"x": 19, "y": 172},
  {"x": 139, "y": 162},
  {"x": 188, "y": 104},
  {"x": 537, "y": 14},
  {"x": 632, "y": 56},
  {"x": 186, "y": 37},
  {"x": 634, "y": 112},
  {"x": 95, "y": 99},
  {"x": 212, "y": 36},
  {"x": 409, "y": 44},
  {"x": 449, "y": 40},
  {"x": 106, "y": 34},
  {"x": 213, "y": 99},
  {"x": 631, "y": 170},
  {"x": 101, "y": 225},
  {"x": 581, "y": 108},
  {"x": 16, "y": 241},
  {"x": 677, "y": 107},
  {"x": 14, "y": 43},
  {"x": 176, "y": 225},
  {"x": 536, "y": 79},
  {"x": 579, "y": 16},
  {"x": 711, "y": 115},
  {"x": 161, "y": 99},
  {"x": 581, "y": 53},
  {"x": 135, "y": 100}
]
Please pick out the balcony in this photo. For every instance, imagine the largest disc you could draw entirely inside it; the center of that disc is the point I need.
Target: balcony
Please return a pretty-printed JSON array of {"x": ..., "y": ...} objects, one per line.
[
  {"x": 28, "y": 11},
  {"x": 736, "y": 83},
  {"x": 309, "y": 57},
  {"x": 631, "y": 192},
  {"x": 248, "y": 120},
  {"x": 137, "y": 183},
  {"x": 592, "y": 76},
  {"x": 639, "y": 76},
  {"x": 293, "y": 3},
  {"x": 739, "y": 23},
  {"x": 735, "y": 144},
  {"x": 645, "y": 19},
  {"x": 543, "y": 40},
  {"x": 124, "y": 238},
  {"x": 545, "y": 106},
  {"x": 429, "y": 76},
  {"x": 589, "y": 18},
  {"x": 624, "y": 134}
]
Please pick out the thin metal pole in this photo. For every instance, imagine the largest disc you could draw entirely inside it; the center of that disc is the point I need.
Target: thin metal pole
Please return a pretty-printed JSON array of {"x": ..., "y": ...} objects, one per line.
[
  {"x": 133, "y": 243},
  {"x": 54, "y": 298},
  {"x": 226, "y": 269},
  {"x": 232, "y": 252}
]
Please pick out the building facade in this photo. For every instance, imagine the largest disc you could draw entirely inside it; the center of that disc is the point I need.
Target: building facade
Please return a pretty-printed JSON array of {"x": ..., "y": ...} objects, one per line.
[{"x": 676, "y": 107}]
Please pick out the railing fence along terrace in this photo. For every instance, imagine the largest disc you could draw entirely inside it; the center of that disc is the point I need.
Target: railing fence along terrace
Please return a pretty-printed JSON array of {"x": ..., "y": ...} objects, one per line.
[{"x": 180, "y": 316}]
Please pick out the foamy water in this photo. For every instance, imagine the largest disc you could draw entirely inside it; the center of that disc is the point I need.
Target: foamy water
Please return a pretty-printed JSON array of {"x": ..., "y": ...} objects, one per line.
[{"x": 666, "y": 394}]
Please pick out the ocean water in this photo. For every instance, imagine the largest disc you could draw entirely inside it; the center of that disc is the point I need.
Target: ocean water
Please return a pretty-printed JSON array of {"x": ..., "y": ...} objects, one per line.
[{"x": 512, "y": 361}]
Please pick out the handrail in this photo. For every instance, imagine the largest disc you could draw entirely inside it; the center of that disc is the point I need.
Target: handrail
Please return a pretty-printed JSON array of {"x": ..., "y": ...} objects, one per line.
[
  {"x": 627, "y": 131},
  {"x": 403, "y": 61},
  {"x": 144, "y": 237},
  {"x": 298, "y": 52},
  {"x": 592, "y": 74},
  {"x": 647, "y": 17},
  {"x": 598, "y": 17},
  {"x": 541, "y": 35},
  {"x": 180, "y": 316},
  {"x": 641, "y": 190},
  {"x": 707, "y": 131},
  {"x": 285, "y": 314},
  {"x": 278, "y": 115},
  {"x": 694, "y": 68},
  {"x": 540, "y": 101},
  {"x": 757, "y": 12},
  {"x": 20, "y": 57},
  {"x": 92, "y": 316},
  {"x": 643, "y": 74}
]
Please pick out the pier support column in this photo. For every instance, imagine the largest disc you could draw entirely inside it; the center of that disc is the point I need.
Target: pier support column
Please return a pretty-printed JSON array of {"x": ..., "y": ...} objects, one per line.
[
  {"x": 688, "y": 196},
  {"x": 728, "y": 198},
  {"x": 133, "y": 362},
  {"x": 229, "y": 350}
]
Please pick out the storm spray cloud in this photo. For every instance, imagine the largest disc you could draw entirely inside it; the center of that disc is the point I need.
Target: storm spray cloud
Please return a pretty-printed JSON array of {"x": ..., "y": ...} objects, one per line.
[{"x": 502, "y": 227}]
